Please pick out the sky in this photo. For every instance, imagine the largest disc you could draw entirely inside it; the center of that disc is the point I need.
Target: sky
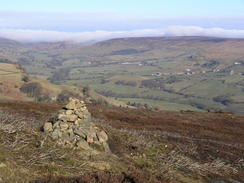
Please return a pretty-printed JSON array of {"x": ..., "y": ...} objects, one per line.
[{"x": 86, "y": 20}]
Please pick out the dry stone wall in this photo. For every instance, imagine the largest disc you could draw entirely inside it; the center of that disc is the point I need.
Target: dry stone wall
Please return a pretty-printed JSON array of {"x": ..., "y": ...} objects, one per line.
[{"x": 73, "y": 127}]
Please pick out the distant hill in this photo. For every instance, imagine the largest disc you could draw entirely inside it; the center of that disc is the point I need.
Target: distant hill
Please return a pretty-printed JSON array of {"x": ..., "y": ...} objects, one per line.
[
  {"x": 16, "y": 84},
  {"x": 8, "y": 42},
  {"x": 178, "y": 48},
  {"x": 172, "y": 73},
  {"x": 174, "y": 49}
]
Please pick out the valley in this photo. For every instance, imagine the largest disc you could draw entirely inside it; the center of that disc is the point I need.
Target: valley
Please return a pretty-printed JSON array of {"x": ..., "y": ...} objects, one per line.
[
  {"x": 169, "y": 114},
  {"x": 175, "y": 73},
  {"x": 122, "y": 91}
]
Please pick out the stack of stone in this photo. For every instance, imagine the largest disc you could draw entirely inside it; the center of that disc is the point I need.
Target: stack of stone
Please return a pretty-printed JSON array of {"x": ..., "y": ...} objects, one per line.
[{"x": 73, "y": 127}]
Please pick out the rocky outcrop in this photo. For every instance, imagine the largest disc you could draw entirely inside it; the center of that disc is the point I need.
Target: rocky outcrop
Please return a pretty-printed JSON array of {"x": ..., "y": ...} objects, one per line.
[{"x": 73, "y": 127}]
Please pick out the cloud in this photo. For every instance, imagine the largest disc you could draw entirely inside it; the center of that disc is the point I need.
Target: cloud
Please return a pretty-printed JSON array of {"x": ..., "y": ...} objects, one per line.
[
  {"x": 24, "y": 35},
  {"x": 55, "y": 36},
  {"x": 199, "y": 31}
]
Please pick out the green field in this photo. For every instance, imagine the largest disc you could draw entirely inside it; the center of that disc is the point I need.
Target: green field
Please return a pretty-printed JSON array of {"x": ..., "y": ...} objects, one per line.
[
  {"x": 163, "y": 105},
  {"x": 184, "y": 73}
]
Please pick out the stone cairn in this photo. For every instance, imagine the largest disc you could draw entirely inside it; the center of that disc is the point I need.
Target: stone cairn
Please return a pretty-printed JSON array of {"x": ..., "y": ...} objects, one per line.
[{"x": 73, "y": 127}]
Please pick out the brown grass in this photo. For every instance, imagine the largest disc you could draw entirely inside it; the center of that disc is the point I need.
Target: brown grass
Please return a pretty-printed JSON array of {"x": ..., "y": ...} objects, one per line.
[
  {"x": 218, "y": 134},
  {"x": 147, "y": 146}
]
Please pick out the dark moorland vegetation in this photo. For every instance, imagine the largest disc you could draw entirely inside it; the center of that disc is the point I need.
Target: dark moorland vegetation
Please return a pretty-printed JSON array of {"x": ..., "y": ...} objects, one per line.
[{"x": 157, "y": 146}]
